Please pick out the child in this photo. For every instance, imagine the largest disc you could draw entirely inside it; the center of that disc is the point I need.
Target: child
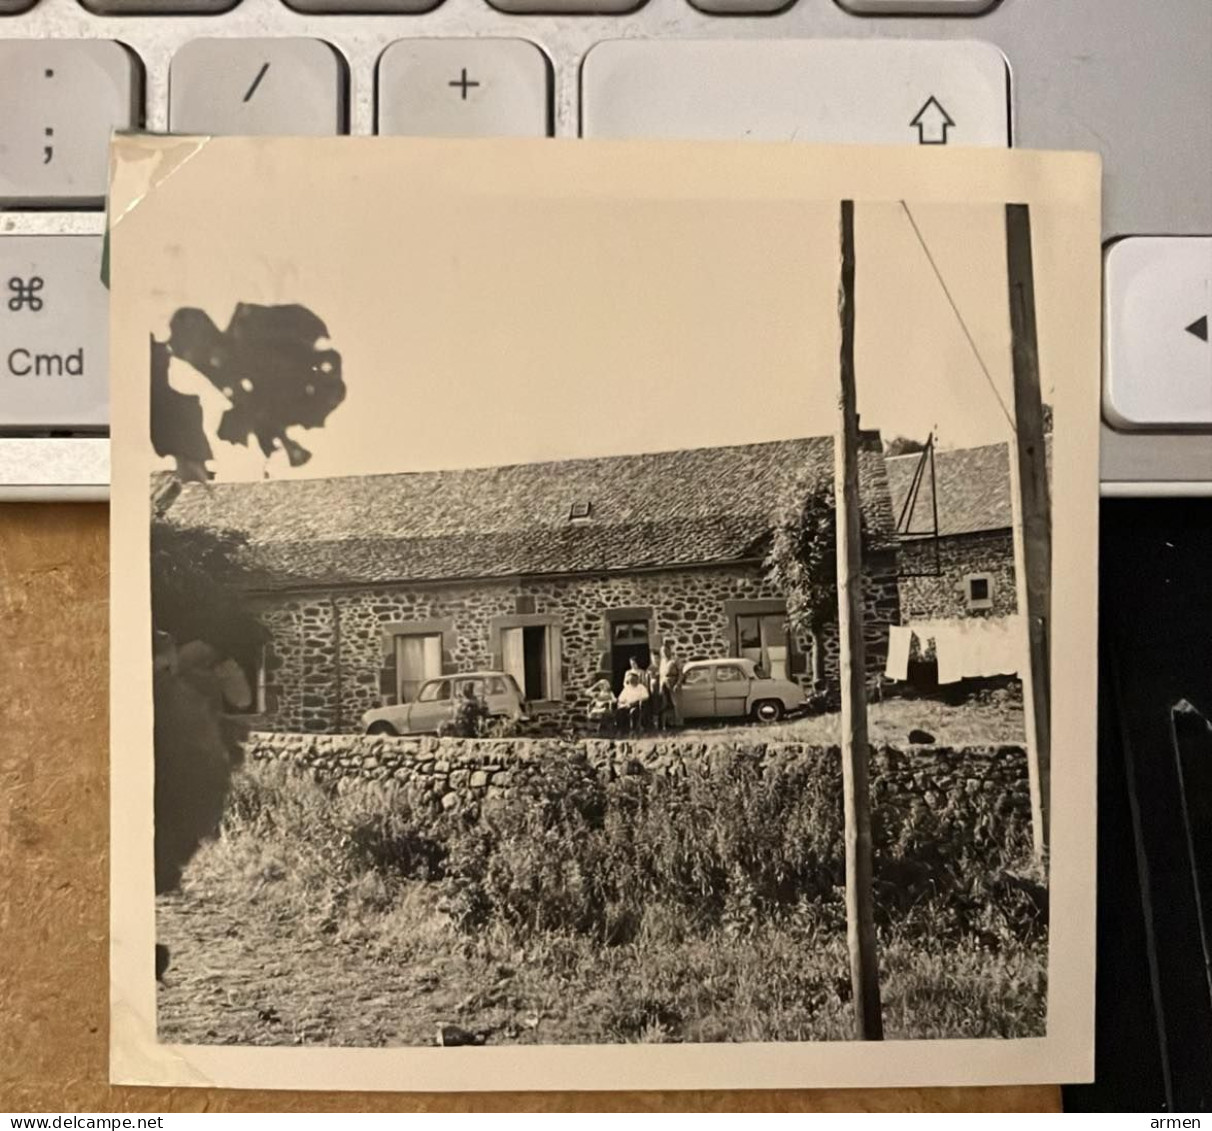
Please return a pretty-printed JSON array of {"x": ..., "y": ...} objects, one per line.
[{"x": 601, "y": 705}]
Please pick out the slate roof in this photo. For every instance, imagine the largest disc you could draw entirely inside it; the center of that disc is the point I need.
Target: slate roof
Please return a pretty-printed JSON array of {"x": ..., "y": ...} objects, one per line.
[
  {"x": 973, "y": 491},
  {"x": 694, "y": 507}
]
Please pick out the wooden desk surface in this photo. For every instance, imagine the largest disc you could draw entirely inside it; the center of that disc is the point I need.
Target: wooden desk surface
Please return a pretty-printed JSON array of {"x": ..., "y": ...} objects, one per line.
[{"x": 54, "y": 572}]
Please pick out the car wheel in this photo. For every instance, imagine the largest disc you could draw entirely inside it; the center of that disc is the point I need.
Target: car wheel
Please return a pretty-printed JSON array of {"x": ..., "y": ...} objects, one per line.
[
  {"x": 767, "y": 710},
  {"x": 381, "y": 728}
]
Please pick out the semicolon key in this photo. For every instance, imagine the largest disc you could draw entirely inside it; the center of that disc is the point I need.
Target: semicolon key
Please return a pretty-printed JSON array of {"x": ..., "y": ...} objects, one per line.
[{"x": 60, "y": 99}]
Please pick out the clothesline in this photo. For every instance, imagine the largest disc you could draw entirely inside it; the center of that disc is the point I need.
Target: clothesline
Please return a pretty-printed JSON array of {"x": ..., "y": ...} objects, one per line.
[{"x": 964, "y": 647}]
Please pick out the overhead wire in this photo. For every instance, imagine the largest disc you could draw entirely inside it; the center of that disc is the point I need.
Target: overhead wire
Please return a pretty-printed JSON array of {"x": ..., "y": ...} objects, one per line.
[{"x": 960, "y": 318}]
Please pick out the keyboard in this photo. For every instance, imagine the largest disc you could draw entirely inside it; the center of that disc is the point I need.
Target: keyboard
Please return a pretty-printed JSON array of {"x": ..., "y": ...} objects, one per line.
[{"x": 1130, "y": 79}]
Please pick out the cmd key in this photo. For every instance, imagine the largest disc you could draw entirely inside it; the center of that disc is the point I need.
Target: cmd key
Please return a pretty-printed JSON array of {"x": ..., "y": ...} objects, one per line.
[
  {"x": 60, "y": 99},
  {"x": 53, "y": 335}
]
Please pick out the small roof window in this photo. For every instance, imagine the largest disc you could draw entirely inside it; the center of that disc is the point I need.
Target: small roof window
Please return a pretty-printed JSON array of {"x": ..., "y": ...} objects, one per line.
[{"x": 580, "y": 510}]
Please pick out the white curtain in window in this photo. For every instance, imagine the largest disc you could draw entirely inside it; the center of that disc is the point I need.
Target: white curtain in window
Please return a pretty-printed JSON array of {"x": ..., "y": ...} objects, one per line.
[{"x": 418, "y": 658}]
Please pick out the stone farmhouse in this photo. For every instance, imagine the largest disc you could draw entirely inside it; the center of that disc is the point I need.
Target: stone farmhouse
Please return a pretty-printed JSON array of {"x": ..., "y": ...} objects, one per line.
[{"x": 556, "y": 572}]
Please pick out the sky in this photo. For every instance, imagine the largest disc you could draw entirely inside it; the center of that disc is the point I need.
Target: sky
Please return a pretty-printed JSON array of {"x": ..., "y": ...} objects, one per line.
[{"x": 486, "y": 331}]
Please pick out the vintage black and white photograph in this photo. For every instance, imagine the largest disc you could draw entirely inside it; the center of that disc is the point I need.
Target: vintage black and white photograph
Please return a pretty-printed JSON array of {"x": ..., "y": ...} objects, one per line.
[{"x": 540, "y": 669}]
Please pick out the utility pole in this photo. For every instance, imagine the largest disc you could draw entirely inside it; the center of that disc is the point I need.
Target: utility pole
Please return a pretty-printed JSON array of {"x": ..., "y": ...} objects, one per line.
[
  {"x": 860, "y": 912},
  {"x": 1033, "y": 531}
]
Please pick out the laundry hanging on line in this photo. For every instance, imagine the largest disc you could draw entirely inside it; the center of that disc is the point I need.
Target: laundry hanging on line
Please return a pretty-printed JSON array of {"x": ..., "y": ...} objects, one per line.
[{"x": 970, "y": 648}]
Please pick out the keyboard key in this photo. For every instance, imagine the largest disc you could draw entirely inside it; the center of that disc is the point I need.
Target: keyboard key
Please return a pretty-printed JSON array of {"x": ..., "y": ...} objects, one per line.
[
  {"x": 59, "y": 101},
  {"x": 158, "y": 7},
  {"x": 53, "y": 333},
  {"x": 361, "y": 7},
  {"x": 568, "y": 7},
  {"x": 1158, "y": 357},
  {"x": 463, "y": 88},
  {"x": 256, "y": 87},
  {"x": 742, "y": 7},
  {"x": 918, "y": 7},
  {"x": 874, "y": 91}
]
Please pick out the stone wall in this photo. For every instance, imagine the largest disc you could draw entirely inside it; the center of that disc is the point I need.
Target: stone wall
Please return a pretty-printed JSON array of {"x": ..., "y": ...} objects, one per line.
[
  {"x": 331, "y": 656},
  {"x": 464, "y": 774},
  {"x": 927, "y": 597}
]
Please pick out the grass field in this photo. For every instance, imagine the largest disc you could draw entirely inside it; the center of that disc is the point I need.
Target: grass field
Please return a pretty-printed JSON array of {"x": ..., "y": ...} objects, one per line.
[
  {"x": 991, "y": 718},
  {"x": 688, "y": 913}
]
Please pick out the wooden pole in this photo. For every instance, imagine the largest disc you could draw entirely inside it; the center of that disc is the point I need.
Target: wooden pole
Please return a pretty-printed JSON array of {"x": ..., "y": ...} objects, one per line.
[
  {"x": 1033, "y": 531},
  {"x": 860, "y": 913}
]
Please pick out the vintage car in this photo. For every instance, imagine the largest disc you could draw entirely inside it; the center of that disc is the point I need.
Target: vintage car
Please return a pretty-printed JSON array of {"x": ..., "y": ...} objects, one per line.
[
  {"x": 720, "y": 689},
  {"x": 436, "y": 699}
]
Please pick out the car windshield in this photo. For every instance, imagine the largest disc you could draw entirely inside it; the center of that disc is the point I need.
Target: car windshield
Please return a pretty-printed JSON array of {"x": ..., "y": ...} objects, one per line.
[{"x": 513, "y": 686}]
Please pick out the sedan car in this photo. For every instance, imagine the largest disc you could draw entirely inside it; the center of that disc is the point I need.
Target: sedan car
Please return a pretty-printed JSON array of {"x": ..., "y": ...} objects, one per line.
[
  {"x": 436, "y": 699},
  {"x": 720, "y": 689}
]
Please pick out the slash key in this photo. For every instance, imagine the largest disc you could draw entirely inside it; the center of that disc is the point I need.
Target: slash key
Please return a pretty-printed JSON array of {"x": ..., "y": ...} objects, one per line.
[{"x": 53, "y": 335}]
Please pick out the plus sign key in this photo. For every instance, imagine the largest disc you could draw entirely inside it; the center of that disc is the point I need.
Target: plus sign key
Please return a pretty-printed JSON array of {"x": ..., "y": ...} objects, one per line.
[
  {"x": 464, "y": 88},
  {"x": 60, "y": 99},
  {"x": 53, "y": 334}
]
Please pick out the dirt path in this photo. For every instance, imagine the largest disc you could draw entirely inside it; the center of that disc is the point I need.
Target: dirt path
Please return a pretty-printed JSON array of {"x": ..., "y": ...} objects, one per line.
[{"x": 249, "y": 979}]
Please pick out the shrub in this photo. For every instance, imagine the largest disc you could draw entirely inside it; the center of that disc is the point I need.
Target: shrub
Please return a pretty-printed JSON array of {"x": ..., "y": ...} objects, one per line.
[{"x": 730, "y": 842}]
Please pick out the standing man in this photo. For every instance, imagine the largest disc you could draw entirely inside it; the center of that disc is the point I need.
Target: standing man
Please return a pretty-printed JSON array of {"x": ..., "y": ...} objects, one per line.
[{"x": 670, "y": 675}]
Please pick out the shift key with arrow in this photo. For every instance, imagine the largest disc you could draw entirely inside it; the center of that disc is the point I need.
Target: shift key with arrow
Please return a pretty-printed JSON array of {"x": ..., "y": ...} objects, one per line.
[{"x": 932, "y": 123}]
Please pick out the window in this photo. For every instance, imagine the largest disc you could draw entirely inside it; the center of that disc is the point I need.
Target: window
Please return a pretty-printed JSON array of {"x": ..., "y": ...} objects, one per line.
[
  {"x": 764, "y": 640},
  {"x": 978, "y": 588},
  {"x": 630, "y": 631},
  {"x": 580, "y": 510},
  {"x": 477, "y": 685},
  {"x": 435, "y": 692},
  {"x": 244, "y": 675},
  {"x": 696, "y": 677},
  {"x": 729, "y": 674},
  {"x": 418, "y": 659}
]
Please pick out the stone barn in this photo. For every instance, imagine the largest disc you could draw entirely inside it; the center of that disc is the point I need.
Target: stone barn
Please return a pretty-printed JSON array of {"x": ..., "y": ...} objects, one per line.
[
  {"x": 967, "y": 568},
  {"x": 954, "y": 519},
  {"x": 555, "y": 572}
]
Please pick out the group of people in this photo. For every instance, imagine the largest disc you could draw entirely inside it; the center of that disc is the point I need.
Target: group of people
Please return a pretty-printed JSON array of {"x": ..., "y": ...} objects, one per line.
[{"x": 646, "y": 700}]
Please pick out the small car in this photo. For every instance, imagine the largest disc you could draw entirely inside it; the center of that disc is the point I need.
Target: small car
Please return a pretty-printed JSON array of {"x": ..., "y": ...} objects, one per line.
[
  {"x": 735, "y": 688},
  {"x": 436, "y": 699}
]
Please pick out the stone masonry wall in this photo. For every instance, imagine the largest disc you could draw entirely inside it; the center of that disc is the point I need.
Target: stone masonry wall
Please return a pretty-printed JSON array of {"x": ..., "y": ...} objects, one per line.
[
  {"x": 331, "y": 656},
  {"x": 463, "y": 774},
  {"x": 927, "y": 597}
]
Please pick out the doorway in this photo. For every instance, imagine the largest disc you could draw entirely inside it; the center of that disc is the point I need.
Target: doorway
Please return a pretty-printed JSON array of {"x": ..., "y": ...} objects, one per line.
[
  {"x": 526, "y": 655},
  {"x": 628, "y": 639}
]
